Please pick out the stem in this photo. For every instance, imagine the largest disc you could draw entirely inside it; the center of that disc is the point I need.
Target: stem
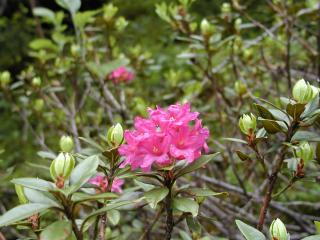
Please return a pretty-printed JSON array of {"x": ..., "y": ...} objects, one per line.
[
  {"x": 169, "y": 221},
  {"x": 274, "y": 176}
]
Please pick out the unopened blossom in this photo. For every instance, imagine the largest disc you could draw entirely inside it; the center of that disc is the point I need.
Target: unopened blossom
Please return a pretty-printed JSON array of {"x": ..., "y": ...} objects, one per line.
[
  {"x": 166, "y": 136},
  {"x": 102, "y": 183},
  {"x": 121, "y": 75}
]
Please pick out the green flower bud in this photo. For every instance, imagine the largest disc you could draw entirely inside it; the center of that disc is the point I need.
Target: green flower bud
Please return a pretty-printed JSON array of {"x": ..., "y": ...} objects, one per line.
[
  {"x": 38, "y": 104},
  {"x": 5, "y": 78},
  {"x": 20, "y": 193},
  {"x": 62, "y": 166},
  {"x": 109, "y": 11},
  {"x": 36, "y": 82},
  {"x": 248, "y": 123},
  {"x": 75, "y": 50},
  {"x": 66, "y": 144},
  {"x": 305, "y": 151},
  {"x": 121, "y": 23},
  {"x": 207, "y": 29},
  {"x": 226, "y": 8},
  {"x": 303, "y": 92},
  {"x": 237, "y": 24},
  {"x": 115, "y": 135},
  {"x": 278, "y": 230},
  {"x": 240, "y": 88}
]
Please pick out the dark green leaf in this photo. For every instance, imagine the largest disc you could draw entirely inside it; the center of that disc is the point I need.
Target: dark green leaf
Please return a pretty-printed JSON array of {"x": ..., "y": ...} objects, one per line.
[
  {"x": 35, "y": 196},
  {"x": 83, "y": 172},
  {"x": 21, "y": 212},
  {"x": 263, "y": 112},
  {"x": 203, "y": 192},
  {"x": 154, "y": 196},
  {"x": 84, "y": 197},
  {"x": 306, "y": 136},
  {"x": 271, "y": 126},
  {"x": 34, "y": 183},
  {"x": 59, "y": 230},
  {"x": 243, "y": 156},
  {"x": 235, "y": 140},
  {"x": 249, "y": 232},
  {"x": 295, "y": 110},
  {"x": 186, "y": 205}
]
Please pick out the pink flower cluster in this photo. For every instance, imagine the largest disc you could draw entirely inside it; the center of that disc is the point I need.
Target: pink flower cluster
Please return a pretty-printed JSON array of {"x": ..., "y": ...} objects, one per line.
[
  {"x": 102, "y": 183},
  {"x": 121, "y": 74},
  {"x": 165, "y": 137}
]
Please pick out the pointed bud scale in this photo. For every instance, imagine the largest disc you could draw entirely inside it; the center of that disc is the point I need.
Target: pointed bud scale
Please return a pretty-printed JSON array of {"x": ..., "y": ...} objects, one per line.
[
  {"x": 248, "y": 123},
  {"x": 20, "y": 193},
  {"x": 305, "y": 151},
  {"x": 278, "y": 230},
  {"x": 62, "y": 166},
  {"x": 207, "y": 29},
  {"x": 5, "y": 78},
  {"x": 115, "y": 135},
  {"x": 36, "y": 82},
  {"x": 66, "y": 144},
  {"x": 303, "y": 92}
]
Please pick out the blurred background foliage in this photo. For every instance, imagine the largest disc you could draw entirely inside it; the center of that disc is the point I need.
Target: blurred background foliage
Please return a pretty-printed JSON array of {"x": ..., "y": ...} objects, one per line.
[{"x": 257, "y": 49}]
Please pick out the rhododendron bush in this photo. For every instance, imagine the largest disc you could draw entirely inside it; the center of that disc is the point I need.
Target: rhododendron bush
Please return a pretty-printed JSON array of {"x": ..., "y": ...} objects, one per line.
[{"x": 184, "y": 119}]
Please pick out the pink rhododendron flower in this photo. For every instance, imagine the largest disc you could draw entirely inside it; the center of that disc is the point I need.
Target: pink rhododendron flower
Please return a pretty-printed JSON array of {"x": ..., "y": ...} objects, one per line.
[
  {"x": 167, "y": 136},
  {"x": 102, "y": 183},
  {"x": 121, "y": 74}
]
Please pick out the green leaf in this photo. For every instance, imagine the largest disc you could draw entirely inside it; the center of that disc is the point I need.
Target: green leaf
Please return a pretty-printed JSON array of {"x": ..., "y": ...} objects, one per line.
[
  {"x": 43, "y": 43},
  {"x": 317, "y": 224},
  {"x": 35, "y": 196},
  {"x": 83, "y": 172},
  {"x": 263, "y": 112},
  {"x": 71, "y": 5},
  {"x": 22, "y": 212},
  {"x": 203, "y": 192},
  {"x": 204, "y": 159},
  {"x": 114, "y": 217},
  {"x": 194, "y": 225},
  {"x": 235, "y": 140},
  {"x": 59, "y": 230},
  {"x": 83, "y": 18},
  {"x": 313, "y": 237},
  {"x": 184, "y": 235},
  {"x": 249, "y": 232},
  {"x": 34, "y": 183},
  {"x": 45, "y": 13},
  {"x": 306, "y": 136},
  {"x": 186, "y": 205},
  {"x": 311, "y": 107},
  {"x": 243, "y": 156},
  {"x": 48, "y": 155},
  {"x": 155, "y": 195},
  {"x": 292, "y": 163},
  {"x": 295, "y": 110},
  {"x": 271, "y": 126},
  {"x": 84, "y": 197}
]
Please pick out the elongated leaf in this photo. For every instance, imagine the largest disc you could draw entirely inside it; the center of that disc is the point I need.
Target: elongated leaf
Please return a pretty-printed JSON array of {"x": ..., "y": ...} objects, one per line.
[
  {"x": 203, "y": 192},
  {"x": 306, "y": 136},
  {"x": 83, "y": 197},
  {"x": 196, "y": 164},
  {"x": 263, "y": 112},
  {"x": 59, "y": 230},
  {"x": 35, "y": 196},
  {"x": 186, "y": 205},
  {"x": 295, "y": 110},
  {"x": 44, "y": 12},
  {"x": 34, "y": 183},
  {"x": 105, "y": 209},
  {"x": 71, "y": 5},
  {"x": 313, "y": 237},
  {"x": 235, "y": 140},
  {"x": 114, "y": 216},
  {"x": 249, "y": 232},
  {"x": 21, "y": 212},
  {"x": 155, "y": 195}
]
